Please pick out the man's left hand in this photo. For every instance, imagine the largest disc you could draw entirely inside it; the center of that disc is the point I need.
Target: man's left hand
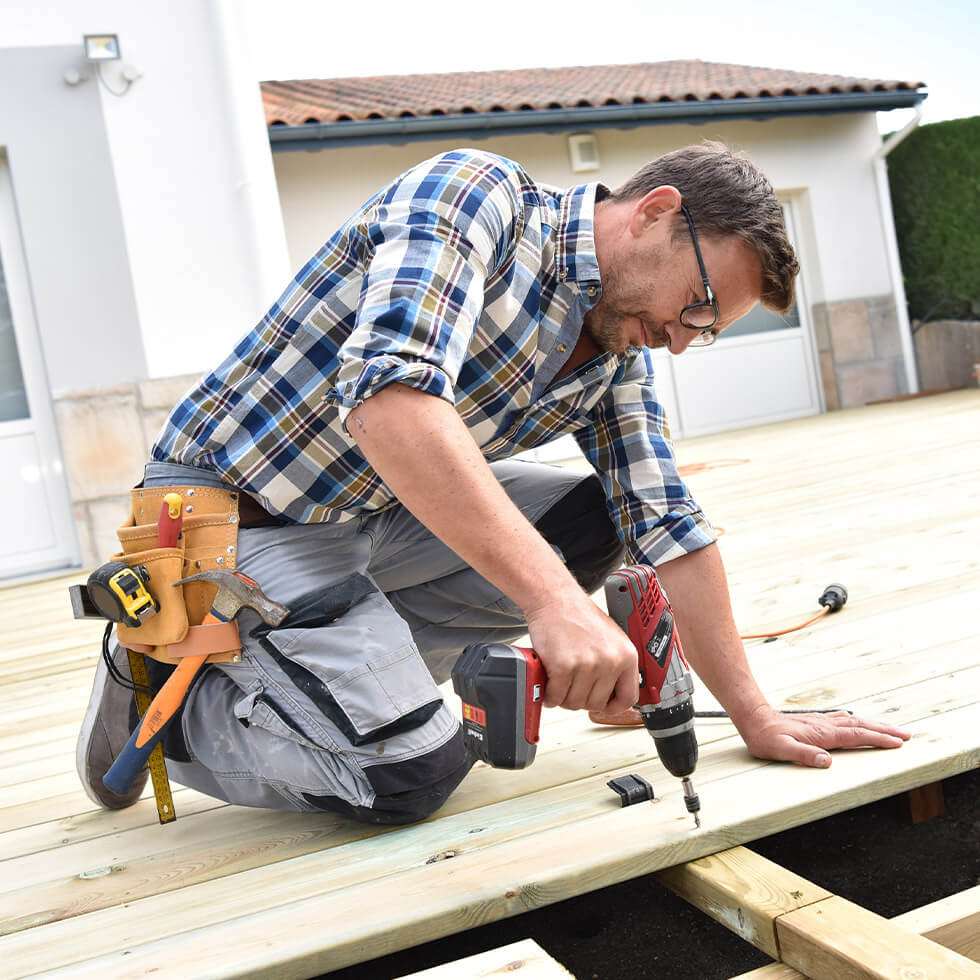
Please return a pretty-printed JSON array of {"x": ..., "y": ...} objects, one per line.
[{"x": 806, "y": 739}]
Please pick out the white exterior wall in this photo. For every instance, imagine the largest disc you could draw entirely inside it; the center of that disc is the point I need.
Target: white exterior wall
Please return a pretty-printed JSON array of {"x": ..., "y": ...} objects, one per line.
[
  {"x": 193, "y": 175},
  {"x": 823, "y": 162}
]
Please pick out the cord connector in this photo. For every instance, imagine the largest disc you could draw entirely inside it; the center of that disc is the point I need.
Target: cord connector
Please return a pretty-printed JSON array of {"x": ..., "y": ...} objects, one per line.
[{"x": 834, "y": 597}]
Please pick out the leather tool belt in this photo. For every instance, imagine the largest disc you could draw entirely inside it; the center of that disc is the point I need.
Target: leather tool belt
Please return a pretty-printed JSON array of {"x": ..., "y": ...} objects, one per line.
[{"x": 209, "y": 540}]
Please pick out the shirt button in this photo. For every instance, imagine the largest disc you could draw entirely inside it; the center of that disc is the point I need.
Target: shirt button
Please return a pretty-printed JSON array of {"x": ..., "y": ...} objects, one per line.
[
  {"x": 563, "y": 275},
  {"x": 561, "y": 348},
  {"x": 591, "y": 290}
]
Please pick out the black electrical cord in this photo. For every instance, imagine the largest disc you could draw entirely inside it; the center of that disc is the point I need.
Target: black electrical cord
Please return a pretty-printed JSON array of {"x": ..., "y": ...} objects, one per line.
[{"x": 114, "y": 672}]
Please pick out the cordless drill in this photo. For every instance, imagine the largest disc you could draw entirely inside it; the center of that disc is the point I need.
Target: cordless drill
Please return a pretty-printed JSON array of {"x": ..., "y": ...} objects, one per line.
[{"x": 502, "y": 686}]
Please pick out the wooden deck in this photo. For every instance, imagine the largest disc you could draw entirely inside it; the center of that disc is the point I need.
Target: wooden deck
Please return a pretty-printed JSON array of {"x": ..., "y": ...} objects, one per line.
[{"x": 885, "y": 499}]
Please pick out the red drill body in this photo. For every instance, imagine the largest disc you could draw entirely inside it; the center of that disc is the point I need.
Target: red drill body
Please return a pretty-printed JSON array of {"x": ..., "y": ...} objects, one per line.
[
  {"x": 502, "y": 686},
  {"x": 637, "y": 604}
]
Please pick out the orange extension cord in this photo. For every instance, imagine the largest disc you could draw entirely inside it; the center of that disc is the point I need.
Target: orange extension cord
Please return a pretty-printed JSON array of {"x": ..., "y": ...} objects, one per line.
[
  {"x": 789, "y": 629},
  {"x": 689, "y": 468}
]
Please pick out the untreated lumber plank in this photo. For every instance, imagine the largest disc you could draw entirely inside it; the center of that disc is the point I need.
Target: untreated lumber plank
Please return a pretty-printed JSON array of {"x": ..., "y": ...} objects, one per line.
[
  {"x": 838, "y": 940},
  {"x": 747, "y": 893},
  {"x": 525, "y": 959},
  {"x": 88, "y": 823},
  {"x": 533, "y": 800},
  {"x": 204, "y": 925},
  {"x": 744, "y": 891},
  {"x": 953, "y": 922}
]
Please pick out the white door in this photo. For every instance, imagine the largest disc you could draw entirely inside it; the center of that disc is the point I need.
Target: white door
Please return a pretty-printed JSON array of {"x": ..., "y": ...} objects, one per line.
[
  {"x": 37, "y": 531},
  {"x": 761, "y": 369}
]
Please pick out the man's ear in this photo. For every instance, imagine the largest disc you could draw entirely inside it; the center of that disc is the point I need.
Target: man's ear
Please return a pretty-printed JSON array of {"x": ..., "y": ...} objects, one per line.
[{"x": 660, "y": 204}]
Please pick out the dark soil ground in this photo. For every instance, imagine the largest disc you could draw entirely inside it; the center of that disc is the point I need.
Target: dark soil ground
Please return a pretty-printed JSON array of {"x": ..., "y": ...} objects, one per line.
[{"x": 871, "y": 855}]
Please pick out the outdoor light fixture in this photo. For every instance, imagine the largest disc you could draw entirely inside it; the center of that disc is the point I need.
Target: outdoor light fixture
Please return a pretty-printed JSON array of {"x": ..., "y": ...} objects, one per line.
[
  {"x": 102, "y": 47},
  {"x": 98, "y": 49}
]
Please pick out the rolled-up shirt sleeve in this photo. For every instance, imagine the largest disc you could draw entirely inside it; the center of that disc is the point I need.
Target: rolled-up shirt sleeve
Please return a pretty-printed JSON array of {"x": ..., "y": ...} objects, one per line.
[
  {"x": 421, "y": 298},
  {"x": 628, "y": 446}
]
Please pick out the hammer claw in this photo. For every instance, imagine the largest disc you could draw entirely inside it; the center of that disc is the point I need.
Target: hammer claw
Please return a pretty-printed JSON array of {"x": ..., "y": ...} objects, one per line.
[{"x": 236, "y": 590}]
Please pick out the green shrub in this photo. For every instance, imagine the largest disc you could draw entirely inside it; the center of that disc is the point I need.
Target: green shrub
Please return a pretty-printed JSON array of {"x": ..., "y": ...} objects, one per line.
[{"x": 935, "y": 185}]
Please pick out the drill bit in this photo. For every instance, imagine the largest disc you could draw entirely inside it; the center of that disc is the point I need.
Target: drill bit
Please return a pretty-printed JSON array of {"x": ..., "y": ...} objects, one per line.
[{"x": 691, "y": 800}]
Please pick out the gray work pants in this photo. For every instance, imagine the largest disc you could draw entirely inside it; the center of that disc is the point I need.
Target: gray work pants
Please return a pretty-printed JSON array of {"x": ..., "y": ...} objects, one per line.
[{"x": 338, "y": 709}]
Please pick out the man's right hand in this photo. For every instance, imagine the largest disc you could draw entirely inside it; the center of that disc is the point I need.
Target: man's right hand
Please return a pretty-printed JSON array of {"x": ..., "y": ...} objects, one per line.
[
  {"x": 408, "y": 436},
  {"x": 589, "y": 660}
]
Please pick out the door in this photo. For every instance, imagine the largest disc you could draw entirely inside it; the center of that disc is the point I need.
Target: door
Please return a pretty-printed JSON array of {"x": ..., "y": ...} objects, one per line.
[
  {"x": 761, "y": 369},
  {"x": 37, "y": 533}
]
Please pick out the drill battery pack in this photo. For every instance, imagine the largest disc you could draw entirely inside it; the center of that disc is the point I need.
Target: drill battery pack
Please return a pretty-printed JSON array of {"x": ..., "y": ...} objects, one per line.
[{"x": 499, "y": 728}]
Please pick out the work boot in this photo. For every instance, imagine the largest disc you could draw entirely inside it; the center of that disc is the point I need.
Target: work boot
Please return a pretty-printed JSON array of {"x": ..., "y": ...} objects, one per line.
[{"x": 105, "y": 732}]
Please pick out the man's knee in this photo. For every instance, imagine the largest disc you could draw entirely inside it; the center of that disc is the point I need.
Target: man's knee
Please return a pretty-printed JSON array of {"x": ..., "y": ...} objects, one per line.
[
  {"x": 407, "y": 791},
  {"x": 579, "y": 525}
]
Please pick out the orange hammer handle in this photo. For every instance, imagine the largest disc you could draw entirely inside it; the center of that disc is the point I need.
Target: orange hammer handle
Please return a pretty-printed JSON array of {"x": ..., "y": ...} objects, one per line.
[{"x": 154, "y": 724}]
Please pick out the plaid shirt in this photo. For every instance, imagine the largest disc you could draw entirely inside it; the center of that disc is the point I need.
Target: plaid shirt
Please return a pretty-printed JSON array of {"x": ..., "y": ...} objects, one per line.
[{"x": 467, "y": 280}]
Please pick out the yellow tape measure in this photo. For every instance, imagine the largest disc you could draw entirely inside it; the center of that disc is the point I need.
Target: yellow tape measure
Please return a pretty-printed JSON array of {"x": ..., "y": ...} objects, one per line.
[{"x": 156, "y": 763}]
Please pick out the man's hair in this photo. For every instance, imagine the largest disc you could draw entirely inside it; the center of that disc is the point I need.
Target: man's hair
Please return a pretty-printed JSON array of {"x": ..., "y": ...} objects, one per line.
[{"x": 726, "y": 195}]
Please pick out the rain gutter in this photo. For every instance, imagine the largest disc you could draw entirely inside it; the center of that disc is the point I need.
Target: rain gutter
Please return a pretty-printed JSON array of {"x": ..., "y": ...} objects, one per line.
[{"x": 480, "y": 125}]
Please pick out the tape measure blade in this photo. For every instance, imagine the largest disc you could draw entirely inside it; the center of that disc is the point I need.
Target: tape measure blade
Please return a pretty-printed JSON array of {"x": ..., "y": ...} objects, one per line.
[{"x": 156, "y": 763}]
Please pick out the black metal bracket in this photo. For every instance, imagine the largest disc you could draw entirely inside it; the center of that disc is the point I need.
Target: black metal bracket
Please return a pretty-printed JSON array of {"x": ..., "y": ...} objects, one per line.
[{"x": 631, "y": 789}]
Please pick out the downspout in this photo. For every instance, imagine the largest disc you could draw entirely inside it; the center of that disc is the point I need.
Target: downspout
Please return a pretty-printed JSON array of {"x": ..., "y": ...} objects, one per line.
[
  {"x": 891, "y": 248},
  {"x": 254, "y": 180}
]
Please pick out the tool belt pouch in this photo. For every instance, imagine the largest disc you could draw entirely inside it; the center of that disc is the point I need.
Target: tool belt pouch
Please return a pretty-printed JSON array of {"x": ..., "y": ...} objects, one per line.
[{"x": 209, "y": 540}]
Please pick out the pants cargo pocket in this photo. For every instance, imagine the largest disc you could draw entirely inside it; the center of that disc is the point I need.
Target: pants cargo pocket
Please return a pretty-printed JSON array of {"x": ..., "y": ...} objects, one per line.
[
  {"x": 261, "y": 708},
  {"x": 353, "y": 658}
]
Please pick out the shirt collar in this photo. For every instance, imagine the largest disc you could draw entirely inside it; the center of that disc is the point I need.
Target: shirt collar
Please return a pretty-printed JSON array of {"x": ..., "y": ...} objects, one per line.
[{"x": 575, "y": 253}]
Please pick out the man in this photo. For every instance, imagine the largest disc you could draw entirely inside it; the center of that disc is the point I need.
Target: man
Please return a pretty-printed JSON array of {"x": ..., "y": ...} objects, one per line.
[{"x": 462, "y": 315}]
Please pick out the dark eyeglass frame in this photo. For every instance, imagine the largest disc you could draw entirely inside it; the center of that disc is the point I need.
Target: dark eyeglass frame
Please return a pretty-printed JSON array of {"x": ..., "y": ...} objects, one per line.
[{"x": 706, "y": 333}]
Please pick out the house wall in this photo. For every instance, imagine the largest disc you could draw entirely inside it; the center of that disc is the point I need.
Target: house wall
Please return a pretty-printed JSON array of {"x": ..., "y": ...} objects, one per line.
[
  {"x": 185, "y": 155},
  {"x": 822, "y": 163},
  {"x": 151, "y": 225},
  {"x": 71, "y": 223}
]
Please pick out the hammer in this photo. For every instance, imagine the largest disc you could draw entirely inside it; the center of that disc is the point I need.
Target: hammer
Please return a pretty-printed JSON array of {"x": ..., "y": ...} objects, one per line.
[{"x": 235, "y": 590}]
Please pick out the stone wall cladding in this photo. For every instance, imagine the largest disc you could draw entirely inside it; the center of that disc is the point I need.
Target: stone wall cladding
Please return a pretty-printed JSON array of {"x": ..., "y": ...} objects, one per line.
[
  {"x": 860, "y": 351},
  {"x": 105, "y": 438},
  {"x": 948, "y": 353}
]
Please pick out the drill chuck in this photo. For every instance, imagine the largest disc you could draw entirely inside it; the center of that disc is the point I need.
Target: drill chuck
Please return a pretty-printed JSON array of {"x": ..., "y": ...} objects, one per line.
[{"x": 673, "y": 734}]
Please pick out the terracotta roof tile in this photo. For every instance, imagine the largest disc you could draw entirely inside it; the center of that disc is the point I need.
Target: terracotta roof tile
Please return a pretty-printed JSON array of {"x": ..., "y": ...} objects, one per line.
[{"x": 294, "y": 103}]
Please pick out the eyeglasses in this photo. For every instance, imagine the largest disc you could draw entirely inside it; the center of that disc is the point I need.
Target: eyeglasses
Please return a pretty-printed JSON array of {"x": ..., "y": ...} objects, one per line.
[{"x": 704, "y": 315}]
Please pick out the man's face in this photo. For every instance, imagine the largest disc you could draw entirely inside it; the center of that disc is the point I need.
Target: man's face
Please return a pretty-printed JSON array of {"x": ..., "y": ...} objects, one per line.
[{"x": 644, "y": 292}]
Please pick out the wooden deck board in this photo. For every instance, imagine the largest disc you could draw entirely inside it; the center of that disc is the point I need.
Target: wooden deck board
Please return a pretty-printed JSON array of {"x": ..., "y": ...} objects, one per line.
[{"x": 884, "y": 499}]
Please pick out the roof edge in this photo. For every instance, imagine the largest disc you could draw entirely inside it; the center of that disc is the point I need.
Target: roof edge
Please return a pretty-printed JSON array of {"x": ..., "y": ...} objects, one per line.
[{"x": 313, "y": 136}]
